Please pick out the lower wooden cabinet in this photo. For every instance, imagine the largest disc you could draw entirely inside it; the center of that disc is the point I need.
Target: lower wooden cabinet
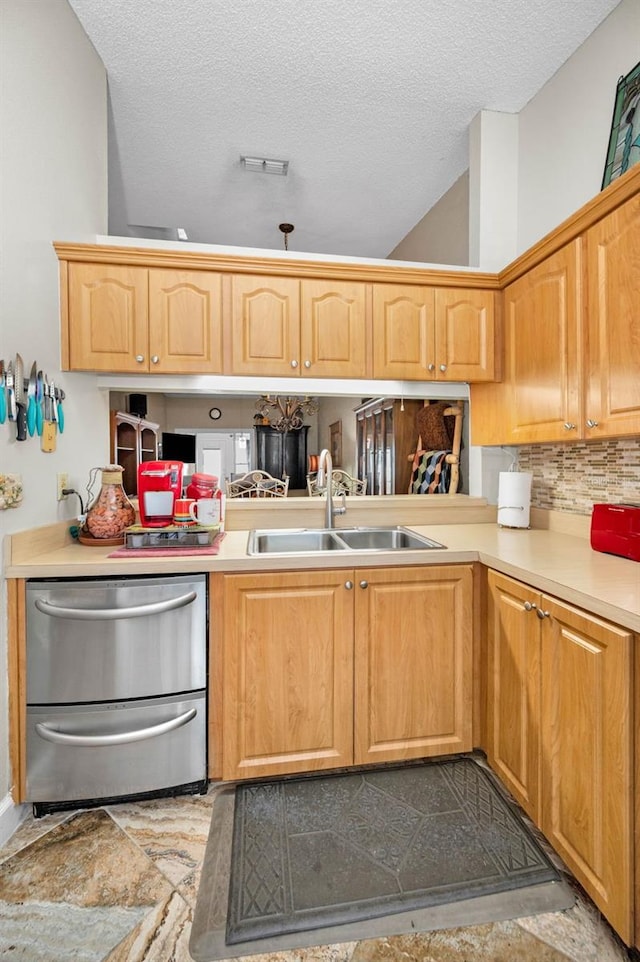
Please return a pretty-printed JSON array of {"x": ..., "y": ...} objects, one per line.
[
  {"x": 513, "y": 705},
  {"x": 296, "y": 643},
  {"x": 561, "y": 734},
  {"x": 413, "y": 662}
]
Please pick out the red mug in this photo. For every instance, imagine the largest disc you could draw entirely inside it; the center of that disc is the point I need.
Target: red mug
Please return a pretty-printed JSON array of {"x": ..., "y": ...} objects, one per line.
[{"x": 182, "y": 511}]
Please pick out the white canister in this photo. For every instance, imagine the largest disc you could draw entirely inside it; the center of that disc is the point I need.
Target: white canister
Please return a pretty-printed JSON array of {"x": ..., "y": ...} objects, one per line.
[
  {"x": 206, "y": 511},
  {"x": 514, "y": 499}
]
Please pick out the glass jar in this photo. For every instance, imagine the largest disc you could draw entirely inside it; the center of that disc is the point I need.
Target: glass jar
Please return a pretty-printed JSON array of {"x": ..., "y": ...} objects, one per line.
[
  {"x": 202, "y": 486},
  {"x": 111, "y": 512}
]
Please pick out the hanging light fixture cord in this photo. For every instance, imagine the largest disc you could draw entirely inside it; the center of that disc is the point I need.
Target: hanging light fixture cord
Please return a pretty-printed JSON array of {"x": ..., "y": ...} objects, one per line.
[{"x": 286, "y": 230}]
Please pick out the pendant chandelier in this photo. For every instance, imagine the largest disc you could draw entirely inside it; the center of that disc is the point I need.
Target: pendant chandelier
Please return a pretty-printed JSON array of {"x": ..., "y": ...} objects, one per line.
[{"x": 286, "y": 413}]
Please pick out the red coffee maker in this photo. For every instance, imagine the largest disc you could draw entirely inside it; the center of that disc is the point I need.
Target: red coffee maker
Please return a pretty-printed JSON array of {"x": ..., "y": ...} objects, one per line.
[{"x": 159, "y": 484}]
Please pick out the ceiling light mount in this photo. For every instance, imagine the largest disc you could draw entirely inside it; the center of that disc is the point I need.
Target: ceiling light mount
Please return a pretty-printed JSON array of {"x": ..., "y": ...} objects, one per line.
[
  {"x": 265, "y": 165},
  {"x": 286, "y": 230}
]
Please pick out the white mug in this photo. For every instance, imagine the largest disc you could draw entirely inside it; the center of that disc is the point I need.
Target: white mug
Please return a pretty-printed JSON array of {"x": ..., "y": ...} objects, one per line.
[{"x": 206, "y": 511}]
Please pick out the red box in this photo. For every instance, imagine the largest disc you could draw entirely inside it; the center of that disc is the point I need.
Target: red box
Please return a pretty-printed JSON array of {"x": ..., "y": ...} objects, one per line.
[{"x": 615, "y": 529}]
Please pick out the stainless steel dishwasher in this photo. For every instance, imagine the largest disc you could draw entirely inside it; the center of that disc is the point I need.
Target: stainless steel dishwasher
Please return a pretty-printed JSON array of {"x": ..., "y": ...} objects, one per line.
[{"x": 116, "y": 689}]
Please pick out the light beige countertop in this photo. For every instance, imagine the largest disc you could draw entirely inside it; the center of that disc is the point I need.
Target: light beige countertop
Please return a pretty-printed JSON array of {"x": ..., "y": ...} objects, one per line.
[{"x": 553, "y": 561}]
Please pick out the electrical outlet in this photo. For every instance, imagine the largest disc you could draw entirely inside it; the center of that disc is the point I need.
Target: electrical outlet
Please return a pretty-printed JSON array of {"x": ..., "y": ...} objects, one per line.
[{"x": 63, "y": 482}]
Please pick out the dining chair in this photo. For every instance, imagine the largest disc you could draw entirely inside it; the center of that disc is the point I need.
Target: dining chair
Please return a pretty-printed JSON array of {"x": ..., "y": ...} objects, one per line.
[{"x": 257, "y": 484}]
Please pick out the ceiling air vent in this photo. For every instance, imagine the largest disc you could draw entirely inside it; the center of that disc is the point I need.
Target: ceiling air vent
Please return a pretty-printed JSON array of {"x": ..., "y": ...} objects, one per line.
[{"x": 265, "y": 165}]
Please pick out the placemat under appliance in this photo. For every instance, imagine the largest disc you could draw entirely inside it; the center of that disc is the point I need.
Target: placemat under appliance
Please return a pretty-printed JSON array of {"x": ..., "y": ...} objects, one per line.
[
  {"x": 209, "y": 549},
  {"x": 317, "y": 851}
]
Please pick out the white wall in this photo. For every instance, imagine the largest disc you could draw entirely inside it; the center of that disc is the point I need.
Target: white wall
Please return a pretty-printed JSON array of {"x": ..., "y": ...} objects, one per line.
[
  {"x": 53, "y": 185},
  {"x": 564, "y": 129},
  {"x": 441, "y": 236}
]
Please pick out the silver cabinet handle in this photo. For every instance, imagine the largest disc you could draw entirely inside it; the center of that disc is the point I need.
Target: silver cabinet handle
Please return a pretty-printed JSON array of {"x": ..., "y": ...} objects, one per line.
[
  {"x": 139, "y": 358},
  {"x": 122, "y": 738},
  {"x": 307, "y": 363},
  {"x": 294, "y": 364},
  {"x": 111, "y": 614},
  {"x": 431, "y": 367},
  {"x": 542, "y": 614},
  {"x": 364, "y": 584},
  {"x": 443, "y": 367},
  {"x": 529, "y": 606},
  {"x": 154, "y": 358},
  {"x": 569, "y": 426},
  {"x": 348, "y": 585},
  {"x": 591, "y": 423}
]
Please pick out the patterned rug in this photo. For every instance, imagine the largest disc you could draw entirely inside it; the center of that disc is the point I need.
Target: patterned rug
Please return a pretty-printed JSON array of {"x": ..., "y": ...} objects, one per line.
[{"x": 325, "y": 850}]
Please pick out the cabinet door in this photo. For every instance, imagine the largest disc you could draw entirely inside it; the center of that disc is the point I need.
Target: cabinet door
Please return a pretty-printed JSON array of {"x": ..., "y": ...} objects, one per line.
[
  {"x": 413, "y": 662},
  {"x": 333, "y": 329},
  {"x": 465, "y": 335},
  {"x": 283, "y": 454},
  {"x": 288, "y": 673},
  {"x": 265, "y": 326},
  {"x": 587, "y": 754},
  {"x": 613, "y": 361},
  {"x": 542, "y": 338},
  {"x": 403, "y": 332},
  {"x": 513, "y": 704},
  {"x": 185, "y": 322},
  {"x": 108, "y": 311}
]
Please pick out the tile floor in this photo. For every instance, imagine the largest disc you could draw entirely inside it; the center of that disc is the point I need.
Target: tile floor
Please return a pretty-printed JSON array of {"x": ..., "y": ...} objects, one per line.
[{"x": 119, "y": 884}]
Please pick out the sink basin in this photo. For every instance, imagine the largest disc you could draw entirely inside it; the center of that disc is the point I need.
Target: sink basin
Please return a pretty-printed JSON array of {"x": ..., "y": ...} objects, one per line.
[
  {"x": 293, "y": 541},
  {"x": 312, "y": 540},
  {"x": 385, "y": 539}
]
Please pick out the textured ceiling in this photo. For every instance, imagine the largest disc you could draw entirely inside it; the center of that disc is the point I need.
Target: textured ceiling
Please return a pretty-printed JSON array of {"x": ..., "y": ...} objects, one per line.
[{"x": 369, "y": 101}]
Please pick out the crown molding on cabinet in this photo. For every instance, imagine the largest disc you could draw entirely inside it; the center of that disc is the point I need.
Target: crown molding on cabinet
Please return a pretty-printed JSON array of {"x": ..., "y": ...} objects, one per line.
[{"x": 617, "y": 193}]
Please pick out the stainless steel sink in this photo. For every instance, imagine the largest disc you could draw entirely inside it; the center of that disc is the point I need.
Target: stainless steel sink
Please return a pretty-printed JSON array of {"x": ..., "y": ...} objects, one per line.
[
  {"x": 385, "y": 539},
  {"x": 293, "y": 541},
  {"x": 313, "y": 540}
]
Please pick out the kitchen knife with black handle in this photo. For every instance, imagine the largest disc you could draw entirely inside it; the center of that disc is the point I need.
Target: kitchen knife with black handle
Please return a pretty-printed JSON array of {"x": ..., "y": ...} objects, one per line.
[{"x": 21, "y": 411}]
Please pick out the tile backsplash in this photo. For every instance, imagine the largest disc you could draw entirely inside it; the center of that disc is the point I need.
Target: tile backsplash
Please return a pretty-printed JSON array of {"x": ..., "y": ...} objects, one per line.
[{"x": 574, "y": 477}]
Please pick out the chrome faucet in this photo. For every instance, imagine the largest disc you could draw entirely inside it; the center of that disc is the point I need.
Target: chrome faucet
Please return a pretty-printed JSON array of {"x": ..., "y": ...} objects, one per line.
[{"x": 324, "y": 479}]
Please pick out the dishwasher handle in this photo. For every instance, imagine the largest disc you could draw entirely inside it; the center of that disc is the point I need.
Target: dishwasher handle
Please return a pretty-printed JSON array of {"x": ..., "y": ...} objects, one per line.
[
  {"x": 122, "y": 738},
  {"x": 111, "y": 614}
]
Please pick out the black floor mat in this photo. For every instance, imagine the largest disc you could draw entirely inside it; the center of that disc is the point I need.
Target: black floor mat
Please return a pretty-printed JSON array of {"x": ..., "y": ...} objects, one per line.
[{"x": 319, "y": 851}]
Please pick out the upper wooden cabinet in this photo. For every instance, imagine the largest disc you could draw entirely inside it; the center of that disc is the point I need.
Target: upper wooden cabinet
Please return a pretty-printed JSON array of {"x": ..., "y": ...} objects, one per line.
[
  {"x": 571, "y": 343},
  {"x": 307, "y": 328},
  {"x": 427, "y": 334},
  {"x": 135, "y": 320},
  {"x": 185, "y": 322},
  {"x": 612, "y": 344},
  {"x": 542, "y": 336}
]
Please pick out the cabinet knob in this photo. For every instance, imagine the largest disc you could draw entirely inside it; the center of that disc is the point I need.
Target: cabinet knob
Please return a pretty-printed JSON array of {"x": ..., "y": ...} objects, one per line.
[
  {"x": 542, "y": 614},
  {"x": 431, "y": 367},
  {"x": 443, "y": 367},
  {"x": 307, "y": 363},
  {"x": 529, "y": 606},
  {"x": 364, "y": 584},
  {"x": 294, "y": 364},
  {"x": 348, "y": 585},
  {"x": 591, "y": 423},
  {"x": 154, "y": 358},
  {"x": 139, "y": 358},
  {"x": 569, "y": 426}
]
